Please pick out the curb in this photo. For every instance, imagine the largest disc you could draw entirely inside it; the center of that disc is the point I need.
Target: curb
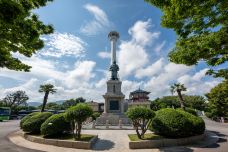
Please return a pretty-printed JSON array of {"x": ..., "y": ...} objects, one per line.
[
  {"x": 61, "y": 143},
  {"x": 144, "y": 144}
]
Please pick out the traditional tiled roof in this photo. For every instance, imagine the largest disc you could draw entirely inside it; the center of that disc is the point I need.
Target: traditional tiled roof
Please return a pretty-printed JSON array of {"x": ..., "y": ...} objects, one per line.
[{"x": 139, "y": 91}]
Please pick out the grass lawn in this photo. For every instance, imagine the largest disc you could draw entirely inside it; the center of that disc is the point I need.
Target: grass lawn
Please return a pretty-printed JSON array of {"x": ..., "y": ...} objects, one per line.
[
  {"x": 84, "y": 137},
  {"x": 149, "y": 136}
]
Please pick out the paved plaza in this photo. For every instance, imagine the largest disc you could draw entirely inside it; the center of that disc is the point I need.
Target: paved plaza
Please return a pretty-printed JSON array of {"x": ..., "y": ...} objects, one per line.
[{"x": 109, "y": 140}]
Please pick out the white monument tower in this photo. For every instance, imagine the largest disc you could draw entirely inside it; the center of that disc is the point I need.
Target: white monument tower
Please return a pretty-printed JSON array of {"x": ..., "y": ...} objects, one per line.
[{"x": 114, "y": 98}]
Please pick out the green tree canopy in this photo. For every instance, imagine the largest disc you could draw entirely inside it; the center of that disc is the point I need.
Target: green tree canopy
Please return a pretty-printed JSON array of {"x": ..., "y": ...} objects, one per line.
[
  {"x": 218, "y": 100},
  {"x": 15, "y": 99},
  {"x": 202, "y": 29},
  {"x": 191, "y": 101},
  {"x": 73, "y": 102},
  {"x": 141, "y": 118},
  {"x": 77, "y": 115},
  {"x": 20, "y": 31}
]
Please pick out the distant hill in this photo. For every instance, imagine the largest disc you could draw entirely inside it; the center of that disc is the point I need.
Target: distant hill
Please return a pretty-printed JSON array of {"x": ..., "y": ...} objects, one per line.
[
  {"x": 34, "y": 104},
  {"x": 60, "y": 101}
]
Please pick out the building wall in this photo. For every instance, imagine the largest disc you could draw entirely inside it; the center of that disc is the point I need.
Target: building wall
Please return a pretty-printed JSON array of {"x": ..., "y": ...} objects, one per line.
[{"x": 135, "y": 104}]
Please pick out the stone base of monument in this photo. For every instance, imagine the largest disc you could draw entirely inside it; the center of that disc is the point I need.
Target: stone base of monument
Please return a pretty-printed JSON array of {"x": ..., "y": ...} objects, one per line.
[{"x": 113, "y": 119}]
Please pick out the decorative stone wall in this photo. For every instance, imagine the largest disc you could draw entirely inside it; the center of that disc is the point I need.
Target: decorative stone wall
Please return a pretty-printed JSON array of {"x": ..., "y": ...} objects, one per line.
[
  {"x": 62, "y": 143},
  {"x": 157, "y": 143}
]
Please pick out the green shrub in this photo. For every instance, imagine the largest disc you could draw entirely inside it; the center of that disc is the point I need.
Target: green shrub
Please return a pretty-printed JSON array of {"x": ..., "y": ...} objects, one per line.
[
  {"x": 95, "y": 115},
  {"x": 209, "y": 114},
  {"x": 168, "y": 122},
  {"x": 33, "y": 124},
  {"x": 189, "y": 110},
  {"x": 198, "y": 125},
  {"x": 141, "y": 118},
  {"x": 177, "y": 123},
  {"x": 55, "y": 125},
  {"x": 26, "y": 118}
]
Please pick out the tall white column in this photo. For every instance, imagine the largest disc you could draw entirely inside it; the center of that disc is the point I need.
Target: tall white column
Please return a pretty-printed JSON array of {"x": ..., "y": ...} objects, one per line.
[{"x": 113, "y": 50}]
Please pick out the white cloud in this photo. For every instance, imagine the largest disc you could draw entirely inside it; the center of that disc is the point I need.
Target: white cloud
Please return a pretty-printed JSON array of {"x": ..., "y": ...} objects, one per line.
[
  {"x": 160, "y": 46},
  {"x": 188, "y": 79},
  {"x": 46, "y": 71},
  {"x": 104, "y": 54},
  {"x": 63, "y": 44},
  {"x": 28, "y": 87},
  {"x": 185, "y": 79},
  {"x": 82, "y": 73},
  {"x": 160, "y": 85},
  {"x": 131, "y": 57},
  {"x": 140, "y": 33},
  {"x": 151, "y": 70},
  {"x": 98, "y": 24},
  {"x": 132, "y": 54},
  {"x": 177, "y": 69},
  {"x": 199, "y": 75},
  {"x": 195, "y": 83},
  {"x": 42, "y": 68},
  {"x": 202, "y": 87}
]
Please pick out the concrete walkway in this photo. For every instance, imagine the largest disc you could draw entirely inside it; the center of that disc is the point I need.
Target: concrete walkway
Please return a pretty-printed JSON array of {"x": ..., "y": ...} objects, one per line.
[
  {"x": 109, "y": 140},
  {"x": 117, "y": 141}
]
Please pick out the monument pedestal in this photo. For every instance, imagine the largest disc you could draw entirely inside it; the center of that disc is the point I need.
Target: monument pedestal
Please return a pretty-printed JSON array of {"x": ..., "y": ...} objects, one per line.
[{"x": 114, "y": 105}]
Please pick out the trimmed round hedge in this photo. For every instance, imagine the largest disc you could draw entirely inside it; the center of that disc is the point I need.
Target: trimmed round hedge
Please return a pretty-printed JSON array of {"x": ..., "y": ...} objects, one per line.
[
  {"x": 33, "y": 124},
  {"x": 26, "y": 118},
  {"x": 189, "y": 110},
  {"x": 55, "y": 125},
  {"x": 177, "y": 123},
  {"x": 197, "y": 122}
]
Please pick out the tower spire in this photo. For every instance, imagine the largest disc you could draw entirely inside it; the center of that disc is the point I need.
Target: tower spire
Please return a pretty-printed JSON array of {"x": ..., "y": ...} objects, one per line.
[{"x": 114, "y": 68}]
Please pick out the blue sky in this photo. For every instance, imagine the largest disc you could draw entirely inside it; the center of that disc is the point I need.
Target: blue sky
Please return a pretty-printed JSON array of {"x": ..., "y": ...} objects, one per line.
[{"x": 76, "y": 57}]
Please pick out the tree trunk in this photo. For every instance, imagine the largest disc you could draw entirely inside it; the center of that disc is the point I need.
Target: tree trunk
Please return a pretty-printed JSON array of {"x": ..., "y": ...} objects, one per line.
[
  {"x": 138, "y": 134},
  {"x": 44, "y": 101},
  {"x": 79, "y": 130},
  {"x": 143, "y": 128},
  {"x": 181, "y": 99},
  {"x": 73, "y": 128},
  {"x": 13, "y": 102}
]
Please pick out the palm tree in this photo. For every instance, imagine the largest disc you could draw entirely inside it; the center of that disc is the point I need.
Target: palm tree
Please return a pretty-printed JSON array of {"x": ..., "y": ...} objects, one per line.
[
  {"x": 177, "y": 87},
  {"x": 46, "y": 88}
]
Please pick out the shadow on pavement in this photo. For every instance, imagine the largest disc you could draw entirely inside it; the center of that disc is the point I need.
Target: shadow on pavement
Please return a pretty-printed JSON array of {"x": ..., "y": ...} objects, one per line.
[
  {"x": 176, "y": 149},
  {"x": 219, "y": 134},
  {"x": 215, "y": 145},
  {"x": 220, "y": 140},
  {"x": 102, "y": 145}
]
